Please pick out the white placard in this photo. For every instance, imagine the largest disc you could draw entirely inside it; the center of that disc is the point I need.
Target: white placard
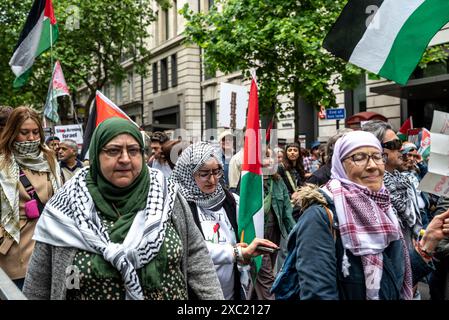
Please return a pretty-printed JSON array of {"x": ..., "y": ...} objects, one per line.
[
  {"x": 436, "y": 181},
  {"x": 440, "y": 122},
  {"x": 242, "y": 95}
]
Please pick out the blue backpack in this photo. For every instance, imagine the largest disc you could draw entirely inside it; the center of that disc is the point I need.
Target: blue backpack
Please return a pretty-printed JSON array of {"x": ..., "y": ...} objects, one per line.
[{"x": 286, "y": 284}]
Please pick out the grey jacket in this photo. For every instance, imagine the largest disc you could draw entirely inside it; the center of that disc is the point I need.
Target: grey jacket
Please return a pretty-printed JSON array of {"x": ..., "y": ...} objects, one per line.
[{"x": 46, "y": 275}]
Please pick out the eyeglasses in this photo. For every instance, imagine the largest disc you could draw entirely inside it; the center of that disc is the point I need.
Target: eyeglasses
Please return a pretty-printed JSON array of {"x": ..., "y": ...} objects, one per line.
[
  {"x": 395, "y": 144},
  {"x": 362, "y": 159},
  {"x": 115, "y": 152},
  {"x": 205, "y": 175}
]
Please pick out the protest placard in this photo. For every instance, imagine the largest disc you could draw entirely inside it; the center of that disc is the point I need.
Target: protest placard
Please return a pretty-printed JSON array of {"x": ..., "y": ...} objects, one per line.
[{"x": 436, "y": 181}]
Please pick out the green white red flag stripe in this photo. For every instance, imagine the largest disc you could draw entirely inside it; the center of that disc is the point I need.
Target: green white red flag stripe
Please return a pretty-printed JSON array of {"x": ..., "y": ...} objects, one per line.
[
  {"x": 387, "y": 37},
  {"x": 406, "y": 126},
  {"x": 39, "y": 34},
  {"x": 251, "y": 214},
  {"x": 103, "y": 109}
]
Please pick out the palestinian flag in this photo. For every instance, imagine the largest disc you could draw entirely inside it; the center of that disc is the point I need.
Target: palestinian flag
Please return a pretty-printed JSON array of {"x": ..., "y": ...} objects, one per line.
[
  {"x": 251, "y": 214},
  {"x": 38, "y": 35},
  {"x": 103, "y": 109},
  {"x": 386, "y": 37},
  {"x": 57, "y": 88},
  {"x": 403, "y": 131},
  {"x": 424, "y": 146}
]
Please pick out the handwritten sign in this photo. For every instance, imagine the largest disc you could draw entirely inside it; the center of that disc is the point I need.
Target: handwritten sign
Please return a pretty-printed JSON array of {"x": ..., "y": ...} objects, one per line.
[
  {"x": 233, "y": 105},
  {"x": 71, "y": 131}
]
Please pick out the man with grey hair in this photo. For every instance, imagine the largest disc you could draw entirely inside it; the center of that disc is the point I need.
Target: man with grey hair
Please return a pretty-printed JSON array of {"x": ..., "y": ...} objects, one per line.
[
  {"x": 403, "y": 194},
  {"x": 67, "y": 156}
]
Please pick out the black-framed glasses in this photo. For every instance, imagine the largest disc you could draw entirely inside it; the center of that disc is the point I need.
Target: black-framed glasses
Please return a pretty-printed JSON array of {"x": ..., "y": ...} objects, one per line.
[
  {"x": 362, "y": 158},
  {"x": 115, "y": 152},
  {"x": 395, "y": 144},
  {"x": 205, "y": 174}
]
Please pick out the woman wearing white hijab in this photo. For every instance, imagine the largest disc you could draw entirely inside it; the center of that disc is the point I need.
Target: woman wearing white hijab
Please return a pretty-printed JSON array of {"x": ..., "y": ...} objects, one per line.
[
  {"x": 27, "y": 181},
  {"x": 368, "y": 257}
]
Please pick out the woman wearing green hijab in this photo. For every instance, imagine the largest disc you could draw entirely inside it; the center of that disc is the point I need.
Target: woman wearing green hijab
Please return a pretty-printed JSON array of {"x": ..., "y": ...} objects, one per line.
[{"x": 121, "y": 229}]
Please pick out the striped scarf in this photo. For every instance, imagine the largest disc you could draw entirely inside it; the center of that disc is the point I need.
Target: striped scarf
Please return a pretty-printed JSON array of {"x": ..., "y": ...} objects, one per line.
[
  {"x": 403, "y": 198},
  {"x": 25, "y": 155},
  {"x": 70, "y": 219},
  {"x": 367, "y": 226}
]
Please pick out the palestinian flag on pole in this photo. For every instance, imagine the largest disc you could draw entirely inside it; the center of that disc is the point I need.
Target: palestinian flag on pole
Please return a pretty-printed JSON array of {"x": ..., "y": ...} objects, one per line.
[
  {"x": 39, "y": 34},
  {"x": 251, "y": 214},
  {"x": 424, "y": 146},
  {"x": 103, "y": 109},
  {"x": 403, "y": 131},
  {"x": 57, "y": 88},
  {"x": 386, "y": 37}
]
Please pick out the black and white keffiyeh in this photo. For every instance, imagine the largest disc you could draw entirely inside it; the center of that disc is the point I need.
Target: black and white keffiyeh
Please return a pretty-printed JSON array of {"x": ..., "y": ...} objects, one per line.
[
  {"x": 404, "y": 200},
  {"x": 190, "y": 161},
  {"x": 70, "y": 219}
]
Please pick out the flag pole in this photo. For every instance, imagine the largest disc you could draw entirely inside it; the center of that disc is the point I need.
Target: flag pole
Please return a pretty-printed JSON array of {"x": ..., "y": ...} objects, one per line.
[
  {"x": 51, "y": 73},
  {"x": 51, "y": 64}
]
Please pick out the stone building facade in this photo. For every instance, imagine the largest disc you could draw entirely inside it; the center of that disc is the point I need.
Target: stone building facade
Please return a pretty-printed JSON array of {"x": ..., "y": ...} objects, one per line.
[{"x": 176, "y": 87}]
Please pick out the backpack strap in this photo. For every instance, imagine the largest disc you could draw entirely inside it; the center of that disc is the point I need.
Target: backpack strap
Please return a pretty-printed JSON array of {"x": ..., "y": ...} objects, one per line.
[{"x": 330, "y": 216}]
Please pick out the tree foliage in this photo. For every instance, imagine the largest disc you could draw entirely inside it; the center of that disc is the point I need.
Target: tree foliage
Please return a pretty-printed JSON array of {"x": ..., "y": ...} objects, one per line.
[
  {"x": 95, "y": 37},
  {"x": 282, "y": 40}
]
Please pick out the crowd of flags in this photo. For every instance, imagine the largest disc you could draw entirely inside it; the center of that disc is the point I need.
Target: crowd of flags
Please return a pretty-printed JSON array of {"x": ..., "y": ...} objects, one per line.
[{"x": 390, "y": 43}]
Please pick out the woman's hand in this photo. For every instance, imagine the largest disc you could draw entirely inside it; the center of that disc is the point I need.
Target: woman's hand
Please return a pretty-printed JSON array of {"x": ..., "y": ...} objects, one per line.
[
  {"x": 437, "y": 229},
  {"x": 251, "y": 251}
]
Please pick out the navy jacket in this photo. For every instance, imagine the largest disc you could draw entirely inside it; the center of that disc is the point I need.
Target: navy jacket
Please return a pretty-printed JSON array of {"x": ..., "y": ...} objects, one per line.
[{"x": 319, "y": 261}]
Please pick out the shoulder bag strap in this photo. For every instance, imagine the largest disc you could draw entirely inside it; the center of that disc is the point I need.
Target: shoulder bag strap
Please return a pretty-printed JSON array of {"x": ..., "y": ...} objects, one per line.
[
  {"x": 290, "y": 179},
  {"x": 330, "y": 216},
  {"x": 26, "y": 183}
]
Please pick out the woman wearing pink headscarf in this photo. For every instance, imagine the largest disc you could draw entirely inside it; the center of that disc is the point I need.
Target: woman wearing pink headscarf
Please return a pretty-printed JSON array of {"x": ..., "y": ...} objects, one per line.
[{"x": 348, "y": 242}]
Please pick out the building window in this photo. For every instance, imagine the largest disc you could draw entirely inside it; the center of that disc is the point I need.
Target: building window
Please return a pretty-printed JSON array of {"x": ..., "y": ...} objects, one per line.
[
  {"x": 130, "y": 81},
  {"x": 211, "y": 114},
  {"x": 166, "y": 24},
  {"x": 210, "y": 4},
  {"x": 175, "y": 18},
  {"x": 156, "y": 28},
  {"x": 360, "y": 95},
  {"x": 118, "y": 93},
  {"x": 107, "y": 90},
  {"x": 355, "y": 100},
  {"x": 208, "y": 74},
  {"x": 174, "y": 71},
  {"x": 164, "y": 74},
  {"x": 155, "y": 78}
]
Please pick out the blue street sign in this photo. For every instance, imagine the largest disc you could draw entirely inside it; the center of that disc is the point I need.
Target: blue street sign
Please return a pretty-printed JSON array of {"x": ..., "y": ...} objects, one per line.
[{"x": 335, "y": 114}]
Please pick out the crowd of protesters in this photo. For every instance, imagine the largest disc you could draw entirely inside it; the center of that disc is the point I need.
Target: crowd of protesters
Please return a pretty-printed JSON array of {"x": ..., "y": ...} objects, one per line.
[{"x": 343, "y": 220}]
